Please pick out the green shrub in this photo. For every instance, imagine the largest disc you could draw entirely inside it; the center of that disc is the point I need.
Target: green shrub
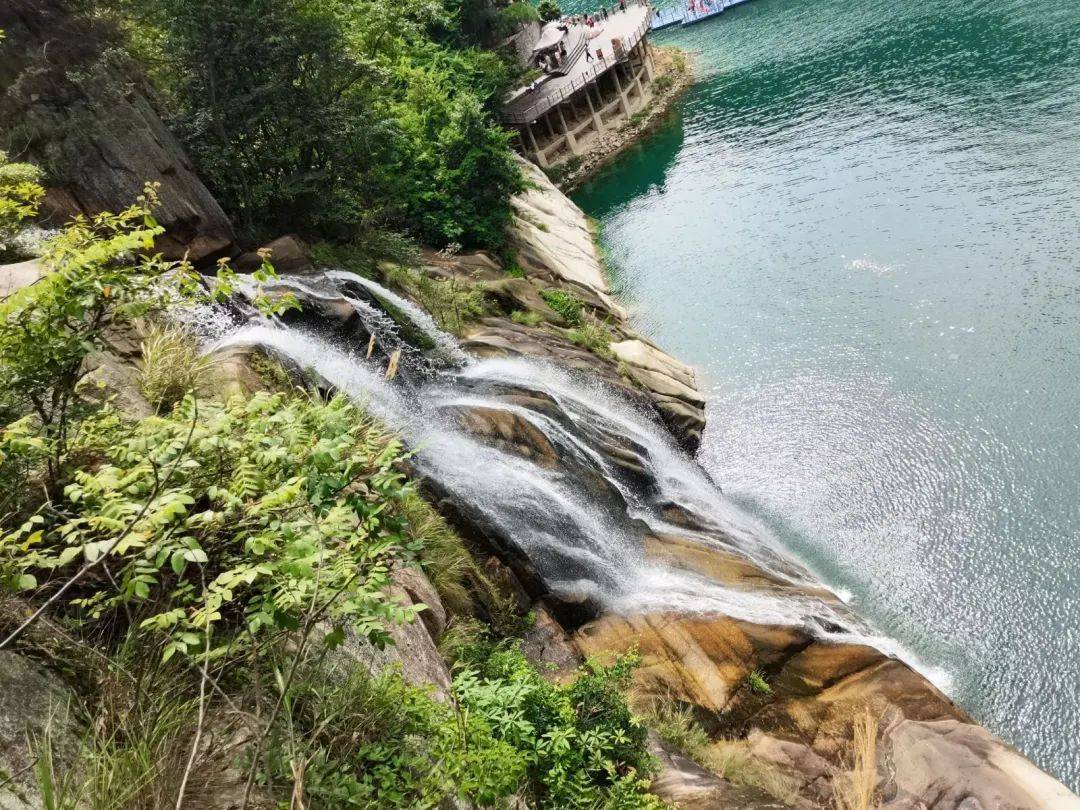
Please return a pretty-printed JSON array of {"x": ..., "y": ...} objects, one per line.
[
  {"x": 49, "y": 328},
  {"x": 565, "y": 303},
  {"x": 377, "y": 742},
  {"x": 516, "y": 14},
  {"x": 757, "y": 683},
  {"x": 19, "y": 198},
  {"x": 593, "y": 336},
  {"x": 525, "y": 318},
  {"x": 549, "y": 10},
  {"x": 662, "y": 83},
  {"x": 335, "y": 119},
  {"x": 514, "y": 270},
  {"x": 98, "y": 277},
  {"x": 453, "y": 303},
  {"x": 239, "y": 516}
]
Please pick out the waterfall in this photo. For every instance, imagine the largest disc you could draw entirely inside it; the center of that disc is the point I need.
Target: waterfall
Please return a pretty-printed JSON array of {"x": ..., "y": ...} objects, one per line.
[
  {"x": 419, "y": 318},
  {"x": 611, "y": 477}
]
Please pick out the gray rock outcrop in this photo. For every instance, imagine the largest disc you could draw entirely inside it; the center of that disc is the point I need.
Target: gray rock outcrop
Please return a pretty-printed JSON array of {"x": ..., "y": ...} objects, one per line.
[{"x": 66, "y": 107}]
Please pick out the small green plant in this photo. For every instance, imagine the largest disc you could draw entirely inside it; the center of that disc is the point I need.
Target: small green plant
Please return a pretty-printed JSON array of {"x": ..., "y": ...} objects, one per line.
[
  {"x": 453, "y": 303},
  {"x": 565, "y": 303},
  {"x": 20, "y": 195},
  {"x": 661, "y": 84},
  {"x": 514, "y": 270},
  {"x": 757, "y": 683},
  {"x": 678, "y": 59},
  {"x": 173, "y": 365},
  {"x": 525, "y": 318},
  {"x": 592, "y": 336}
]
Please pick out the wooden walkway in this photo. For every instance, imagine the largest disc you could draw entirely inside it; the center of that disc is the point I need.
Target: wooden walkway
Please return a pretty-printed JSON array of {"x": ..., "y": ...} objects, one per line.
[
  {"x": 667, "y": 17},
  {"x": 611, "y": 40}
]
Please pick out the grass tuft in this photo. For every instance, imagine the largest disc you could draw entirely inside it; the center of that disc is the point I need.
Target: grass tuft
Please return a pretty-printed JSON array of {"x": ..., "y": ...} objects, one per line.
[
  {"x": 856, "y": 789},
  {"x": 568, "y": 305},
  {"x": 757, "y": 683},
  {"x": 173, "y": 365},
  {"x": 592, "y": 336},
  {"x": 525, "y": 318}
]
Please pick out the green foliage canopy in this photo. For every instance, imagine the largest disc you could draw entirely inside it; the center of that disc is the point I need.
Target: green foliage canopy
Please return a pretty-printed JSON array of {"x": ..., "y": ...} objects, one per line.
[{"x": 333, "y": 117}]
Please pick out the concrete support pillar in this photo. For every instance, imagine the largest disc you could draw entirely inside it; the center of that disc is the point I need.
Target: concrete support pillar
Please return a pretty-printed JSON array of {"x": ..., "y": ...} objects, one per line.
[
  {"x": 598, "y": 124},
  {"x": 547, "y": 123},
  {"x": 624, "y": 102},
  {"x": 531, "y": 141},
  {"x": 570, "y": 140},
  {"x": 650, "y": 69}
]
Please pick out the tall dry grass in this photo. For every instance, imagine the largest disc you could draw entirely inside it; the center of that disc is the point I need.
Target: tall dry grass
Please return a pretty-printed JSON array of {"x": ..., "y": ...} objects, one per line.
[{"x": 857, "y": 789}]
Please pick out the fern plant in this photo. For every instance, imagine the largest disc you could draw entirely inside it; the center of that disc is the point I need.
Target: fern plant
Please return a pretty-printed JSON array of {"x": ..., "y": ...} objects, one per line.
[{"x": 254, "y": 515}]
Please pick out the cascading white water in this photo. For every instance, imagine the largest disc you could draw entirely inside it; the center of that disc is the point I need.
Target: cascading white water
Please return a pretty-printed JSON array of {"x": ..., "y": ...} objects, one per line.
[
  {"x": 583, "y": 546},
  {"x": 420, "y": 319}
]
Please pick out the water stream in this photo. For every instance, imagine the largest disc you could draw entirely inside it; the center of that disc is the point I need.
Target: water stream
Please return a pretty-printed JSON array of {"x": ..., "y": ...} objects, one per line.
[{"x": 579, "y": 514}]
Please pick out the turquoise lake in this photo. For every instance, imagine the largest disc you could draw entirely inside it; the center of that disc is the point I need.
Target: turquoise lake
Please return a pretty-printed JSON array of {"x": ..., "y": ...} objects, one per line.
[{"x": 862, "y": 226}]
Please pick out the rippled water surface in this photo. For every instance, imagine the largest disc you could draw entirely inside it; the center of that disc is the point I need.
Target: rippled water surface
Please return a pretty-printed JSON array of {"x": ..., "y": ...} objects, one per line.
[{"x": 863, "y": 227}]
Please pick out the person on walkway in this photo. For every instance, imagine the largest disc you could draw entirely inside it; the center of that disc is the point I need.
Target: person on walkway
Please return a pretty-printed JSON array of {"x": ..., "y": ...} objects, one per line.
[
  {"x": 622, "y": 5},
  {"x": 603, "y": 12},
  {"x": 588, "y": 53}
]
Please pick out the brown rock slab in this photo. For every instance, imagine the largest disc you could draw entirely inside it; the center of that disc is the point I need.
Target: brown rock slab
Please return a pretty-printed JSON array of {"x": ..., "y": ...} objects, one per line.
[
  {"x": 691, "y": 787},
  {"x": 952, "y": 764},
  {"x": 509, "y": 431},
  {"x": 548, "y": 647},
  {"x": 519, "y": 294},
  {"x": 14, "y": 277},
  {"x": 33, "y": 702},
  {"x": 288, "y": 254}
]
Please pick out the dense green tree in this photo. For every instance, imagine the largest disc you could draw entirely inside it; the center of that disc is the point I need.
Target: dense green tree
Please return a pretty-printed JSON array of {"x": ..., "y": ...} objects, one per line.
[
  {"x": 330, "y": 117},
  {"x": 549, "y": 10}
]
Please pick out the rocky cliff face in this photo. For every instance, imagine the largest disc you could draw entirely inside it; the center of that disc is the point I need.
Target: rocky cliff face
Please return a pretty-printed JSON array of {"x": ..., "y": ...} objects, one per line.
[
  {"x": 554, "y": 246},
  {"x": 65, "y": 106}
]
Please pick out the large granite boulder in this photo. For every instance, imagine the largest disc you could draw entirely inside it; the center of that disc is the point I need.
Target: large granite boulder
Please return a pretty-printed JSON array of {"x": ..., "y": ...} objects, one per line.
[
  {"x": 65, "y": 106},
  {"x": 36, "y": 709},
  {"x": 551, "y": 239}
]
